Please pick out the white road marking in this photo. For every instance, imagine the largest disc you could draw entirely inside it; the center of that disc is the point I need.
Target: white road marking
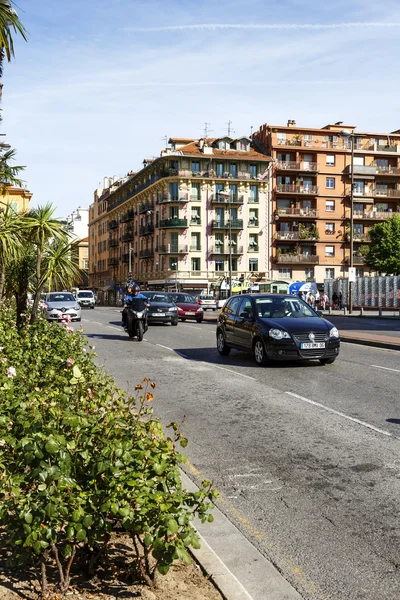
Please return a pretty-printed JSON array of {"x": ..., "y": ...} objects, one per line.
[
  {"x": 117, "y": 328},
  {"x": 180, "y": 354},
  {"x": 94, "y": 322},
  {"x": 340, "y": 414},
  {"x": 166, "y": 347},
  {"x": 386, "y": 368},
  {"x": 190, "y": 326}
]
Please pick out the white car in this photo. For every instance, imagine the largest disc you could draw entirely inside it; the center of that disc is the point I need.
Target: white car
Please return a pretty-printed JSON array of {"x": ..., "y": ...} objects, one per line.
[
  {"x": 86, "y": 298},
  {"x": 207, "y": 302},
  {"x": 61, "y": 304}
]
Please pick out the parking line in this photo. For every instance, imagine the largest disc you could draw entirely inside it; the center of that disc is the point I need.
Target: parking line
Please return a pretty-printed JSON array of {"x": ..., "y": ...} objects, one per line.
[
  {"x": 340, "y": 414},
  {"x": 386, "y": 368}
]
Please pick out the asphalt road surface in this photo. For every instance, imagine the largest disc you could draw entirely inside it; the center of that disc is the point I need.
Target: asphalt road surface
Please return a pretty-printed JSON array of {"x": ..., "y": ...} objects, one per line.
[{"x": 306, "y": 457}]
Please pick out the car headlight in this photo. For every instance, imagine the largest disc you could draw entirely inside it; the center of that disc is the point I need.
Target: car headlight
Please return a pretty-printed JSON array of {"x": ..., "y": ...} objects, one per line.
[
  {"x": 77, "y": 307},
  {"x": 278, "y": 334},
  {"x": 334, "y": 333},
  {"x": 172, "y": 309}
]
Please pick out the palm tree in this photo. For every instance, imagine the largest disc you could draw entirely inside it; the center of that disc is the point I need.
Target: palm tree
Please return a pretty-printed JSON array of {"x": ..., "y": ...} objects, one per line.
[
  {"x": 10, "y": 240},
  {"x": 42, "y": 228},
  {"x": 60, "y": 265},
  {"x": 8, "y": 174},
  {"x": 9, "y": 25}
]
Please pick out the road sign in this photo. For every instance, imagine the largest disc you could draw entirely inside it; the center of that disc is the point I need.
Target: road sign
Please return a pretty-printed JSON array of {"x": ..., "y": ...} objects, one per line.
[{"x": 352, "y": 274}]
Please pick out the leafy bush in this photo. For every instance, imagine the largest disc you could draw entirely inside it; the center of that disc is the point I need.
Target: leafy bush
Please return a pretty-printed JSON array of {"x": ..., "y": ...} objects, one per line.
[{"x": 79, "y": 459}]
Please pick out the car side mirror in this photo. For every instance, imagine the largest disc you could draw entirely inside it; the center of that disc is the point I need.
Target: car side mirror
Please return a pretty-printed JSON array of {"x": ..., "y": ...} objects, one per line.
[
  {"x": 320, "y": 313},
  {"x": 246, "y": 315}
]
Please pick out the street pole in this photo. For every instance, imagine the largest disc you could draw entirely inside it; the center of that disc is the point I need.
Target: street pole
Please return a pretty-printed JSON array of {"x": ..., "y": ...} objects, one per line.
[
  {"x": 230, "y": 247},
  {"x": 351, "y": 225},
  {"x": 130, "y": 259}
]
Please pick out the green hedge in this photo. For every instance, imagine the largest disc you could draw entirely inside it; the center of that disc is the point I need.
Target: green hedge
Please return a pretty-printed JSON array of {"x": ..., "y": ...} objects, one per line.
[{"x": 79, "y": 459}]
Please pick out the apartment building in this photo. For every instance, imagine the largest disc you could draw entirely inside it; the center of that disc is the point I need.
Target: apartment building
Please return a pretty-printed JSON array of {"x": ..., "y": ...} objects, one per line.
[
  {"x": 186, "y": 219},
  {"x": 18, "y": 198},
  {"x": 311, "y": 195}
]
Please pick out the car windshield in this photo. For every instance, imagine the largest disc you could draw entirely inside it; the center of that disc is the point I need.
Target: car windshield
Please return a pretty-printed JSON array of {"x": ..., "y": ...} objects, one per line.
[
  {"x": 283, "y": 308},
  {"x": 60, "y": 298},
  {"x": 206, "y": 298},
  {"x": 156, "y": 297},
  {"x": 182, "y": 298},
  {"x": 85, "y": 294}
]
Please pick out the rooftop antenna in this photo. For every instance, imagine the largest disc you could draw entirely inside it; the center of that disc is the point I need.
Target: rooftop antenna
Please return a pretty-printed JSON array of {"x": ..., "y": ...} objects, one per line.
[
  {"x": 207, "y": 130},
  {"x": 251, "y": 131},
  {"x": 165, "y": 138},
  {"x": 230, "y": 130}
]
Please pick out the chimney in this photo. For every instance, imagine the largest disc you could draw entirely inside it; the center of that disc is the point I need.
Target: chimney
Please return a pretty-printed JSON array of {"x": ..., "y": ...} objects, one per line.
[
  {"x": 339, "y": 123},
  {"x": 291, "y": 123}
]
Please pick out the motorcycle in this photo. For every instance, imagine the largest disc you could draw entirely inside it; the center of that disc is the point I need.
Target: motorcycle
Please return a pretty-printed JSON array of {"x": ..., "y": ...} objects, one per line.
[{"x": 136, "y": 318}]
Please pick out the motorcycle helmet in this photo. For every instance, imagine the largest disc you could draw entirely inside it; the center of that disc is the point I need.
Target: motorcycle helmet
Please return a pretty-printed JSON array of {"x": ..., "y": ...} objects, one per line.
[{"x": 135, "y": 288}]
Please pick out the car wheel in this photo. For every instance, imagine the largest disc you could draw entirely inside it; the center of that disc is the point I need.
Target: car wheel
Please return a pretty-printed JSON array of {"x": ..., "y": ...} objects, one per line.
[
  {"x": 260, "y": 356},
  {"x": 199, "y": 320},
  {"x": 183, "y": 320},
  {"x": 214, "y": 309},
  {"x": 222, "y": 348},
  {"x": 174, "y": 323},
  {"x": 327, "y": 361},
  {"x": 79, "y": 320},
  {"x": 92, "y": 307}
]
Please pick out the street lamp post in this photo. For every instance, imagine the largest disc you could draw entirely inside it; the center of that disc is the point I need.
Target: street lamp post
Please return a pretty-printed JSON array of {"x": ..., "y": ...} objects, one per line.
[
  {"x": 349, "y": 135},
  {"x": 228, "y": 196},
  {"x": 174, "y": 265}
]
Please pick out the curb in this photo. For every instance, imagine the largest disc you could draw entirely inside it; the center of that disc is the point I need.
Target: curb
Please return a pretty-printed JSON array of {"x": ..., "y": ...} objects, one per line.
[
  {"x": 236, "y": 568},
  {"x": 372, "y": 343}
]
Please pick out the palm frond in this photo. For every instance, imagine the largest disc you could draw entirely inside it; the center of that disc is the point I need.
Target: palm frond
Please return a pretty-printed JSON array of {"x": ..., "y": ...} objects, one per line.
[{"x": 9, "y": 25}]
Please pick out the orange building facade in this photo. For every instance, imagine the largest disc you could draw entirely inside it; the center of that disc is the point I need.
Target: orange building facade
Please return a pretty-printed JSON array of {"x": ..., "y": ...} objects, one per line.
[{"x": 311, "y": 196}]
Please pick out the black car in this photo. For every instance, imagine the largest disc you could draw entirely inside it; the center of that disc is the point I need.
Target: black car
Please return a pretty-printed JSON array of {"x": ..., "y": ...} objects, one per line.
[
  {"x": 162, "y": 309},
  {"x": 276, "y": 327}
]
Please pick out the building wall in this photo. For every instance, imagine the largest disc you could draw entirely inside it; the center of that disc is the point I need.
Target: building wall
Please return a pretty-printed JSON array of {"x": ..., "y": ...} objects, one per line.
[
  {"x": 311, "y": 199},
  {"x": 18, "y": 198}
]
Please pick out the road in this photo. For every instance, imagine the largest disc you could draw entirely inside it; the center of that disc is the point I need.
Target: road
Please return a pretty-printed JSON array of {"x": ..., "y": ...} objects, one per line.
[
  {"x": 388, "y": 327},
  {"x": 306, "y": 457}
]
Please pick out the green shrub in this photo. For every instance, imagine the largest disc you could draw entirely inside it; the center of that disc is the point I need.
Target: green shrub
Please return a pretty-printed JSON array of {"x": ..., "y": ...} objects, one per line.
[{"x": 79, "y": 459}]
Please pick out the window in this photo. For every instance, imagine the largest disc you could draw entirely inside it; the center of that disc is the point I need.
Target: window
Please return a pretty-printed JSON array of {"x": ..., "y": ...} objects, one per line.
[
  {"x": 329, "y": 250},
  {"x": 253, "y": 170},
  {"x": 173, "y": 263},
  {"x": 358, "y": 228},
  {"x": 220, "y": 169},
  {"x": 285, "y": 273},
  {"x": 195, "y": 241},
  {"x": 246, "y": 307},
  {"x": 233, "y": 169},
  {"x": 14, "y": 207},
  {"x": 253, "y": 242},
  {"x": 329, "y": 228},
  {"x": 219, "y": 264},
  {"x": 233, "y": 305},
  {"x": 253, "y": 264},
  {"x": 330, "y": 206},
  {"x": 233, "y": 188},
  {"x": 382, "y": 163},
  {"x": 359, "y": 272},
  {"x": 195, "y": 218},
  {"x": 253, "y": 193},
  {"x": 219, "y": 187},
  {"x": 359, "y": 161},
  {"x": 173, "y": 164},
  {"x": 309, "y": 273},
  {"x": 330, "y": 183},
  {"x": 244, "y": 146},
  {"x": 281, "y": 137},
  {"x": 174, "y": 191},
  {"x": 358, "y": 188},
  {"x": 234, "y": 264},
  {"x": 330, "y": 160},
  {"x": 174, "y": 212},
  {"x": 329, "y": 273},
  {"x": 195, "y": 191},
  {"x": 196, "y": 264},
  {"x": 195, "y": 166},
  {"x": 253, "y": 216},
  {"x": 308, "y": 139}
]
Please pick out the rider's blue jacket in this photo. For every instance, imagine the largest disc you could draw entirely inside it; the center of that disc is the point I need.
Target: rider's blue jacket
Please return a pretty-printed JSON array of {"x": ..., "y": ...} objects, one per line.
[{"x": 129, "y": 297}]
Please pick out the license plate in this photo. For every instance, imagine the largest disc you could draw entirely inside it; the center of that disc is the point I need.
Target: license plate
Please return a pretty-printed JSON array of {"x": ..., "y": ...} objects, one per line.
[
  {"x": 190, "y": 313},
  {"x": 312, "y": 346},
  {"x": 158, "y": 315}
]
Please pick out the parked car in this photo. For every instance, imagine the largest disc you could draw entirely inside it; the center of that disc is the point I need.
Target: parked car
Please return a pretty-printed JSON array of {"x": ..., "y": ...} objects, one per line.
[
  {"x": 60, "y": 304},
  {"x": 162, "y": 309},
  {"x": 187, "y": 307},
  {"x": 276, "y": 327},
  {"x": 207, "y": 302},
  {"x": 86, "y": 298}
]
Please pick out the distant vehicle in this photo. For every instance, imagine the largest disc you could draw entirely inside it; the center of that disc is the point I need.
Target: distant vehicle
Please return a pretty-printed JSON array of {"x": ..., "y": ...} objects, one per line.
[
  {"x": 61, "y": 304},
  {"x": 187, "y": 307},
  {"x": 162, "y": 309},
  {"x": 86, "y": 298},
  {"x": 276, "y": 327},
  {"x": 207, "y": 302}
]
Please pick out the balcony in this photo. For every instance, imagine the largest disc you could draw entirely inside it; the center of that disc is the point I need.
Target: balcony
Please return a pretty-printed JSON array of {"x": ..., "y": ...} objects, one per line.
[
  {"x": 236, "y": 250},
  {"x": 374, "y": 214},
  {"x": 389, "y": 170},
  {"x": 128, "y": 216},
  {"x": 253, "y": 248},
  {"x": 146, "y": 253},
  {"x": 374, "y": 193},
  {"x": 125, "y": 258},
  {"x": 233, "y": 224},
  {"x": 291, "y": 188},
  {"x": 128, "y": 236},
  {"x": 311, "y": 259},
  {"x": 300, "y": 213},
  {"x": 112, "y": 224},
  {"x": 144, "y": 208},
  {"x": 195, "y": 198},
  {"x": 218, "y": 249},
  {"x": 295, "y": 236},
  {"x": 167, "y": 198},
  {"x": 253, "y": 223},
  {"x": 172, "y": 249},
  {"x": 112, "y": 243},
  {"x": 195, "y": 221},
  {"x": 234, "y": 199},
  {"x": 147, "y": 229},
  {"x": 297, "y": 166},
  {"x": 357, "y": 260},
  {"x": 173, "y": 223},
  {"x": 195, "y": 248},
  {"x": 252, "y": 200},
  {"x": 113, "y": 262}
]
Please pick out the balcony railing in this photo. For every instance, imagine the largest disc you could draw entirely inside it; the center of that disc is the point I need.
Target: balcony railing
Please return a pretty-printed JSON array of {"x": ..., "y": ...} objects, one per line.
[
  {"x": 195, "y": 198},
  {"x": 166, "y": 198},
  {"x": 146, "y": 253},
  {"x": 113, "y": 262},
  {"x": 374, "y": 214},
  {"x": 297, "y": 166},
  {"x": 215, "y": 224},
  {"x": 253, "y": 223},
  {"x": 195, "y": 221},
  {"x": 146, "y": 229},
  {"x": 128, "y": 216},
  {"x": 297, "y": 258},
  {"x": 293, "y": 236},
  {"x": 174, "y": 222},
  {"x": 112, "y": 224},
  {"x": 218, "y": 249},
  {"x": 144, "y": 208},
  {"x": 357, "y": 260},
  {"x": 128, "y": 236},
  {"x": 172, "y": 249},
  {"x": 125, "y": 258},
  {"x": 291, "y": 188},
  {"x": 195, "y": 248},
  {"x": 306, "y": 213},
  {"x": 374, "y": 193},
  {"x": 112, "y": 243},
  {"x": 225, "y": 249},
  {"x": 252, "y": 248},
  {"x": 233, "y": 224},
  {"x": 233, "y": 199}
]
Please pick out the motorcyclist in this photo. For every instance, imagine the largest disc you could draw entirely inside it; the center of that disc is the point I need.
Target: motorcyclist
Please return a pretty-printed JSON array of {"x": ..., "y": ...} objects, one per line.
[
  {"x": 127, "y": 298},
  {"x": 133, "y": 291}
]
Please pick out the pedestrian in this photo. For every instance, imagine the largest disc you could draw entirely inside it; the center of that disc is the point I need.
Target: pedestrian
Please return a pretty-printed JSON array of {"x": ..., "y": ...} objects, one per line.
[
  {"x": 317, "y": 298},
  {"x": 335, "y": 300},
  {"x": 323, "y": 301},
  {"x": 301, "y": 295},
  {"x": 310, "y": 299},
  {"x": 340, "y": 301}
]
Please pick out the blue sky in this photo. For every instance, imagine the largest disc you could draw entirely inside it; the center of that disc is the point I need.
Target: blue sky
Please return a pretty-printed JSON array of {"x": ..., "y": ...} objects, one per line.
[{"x": 101, "y": 82}]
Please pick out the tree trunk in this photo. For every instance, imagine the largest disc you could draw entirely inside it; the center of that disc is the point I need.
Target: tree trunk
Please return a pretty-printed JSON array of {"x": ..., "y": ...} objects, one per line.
[
  {"x": 21, "y": 295},
  {"x": 39, "y": 288},
  {"x": 2, "y": 279}
]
